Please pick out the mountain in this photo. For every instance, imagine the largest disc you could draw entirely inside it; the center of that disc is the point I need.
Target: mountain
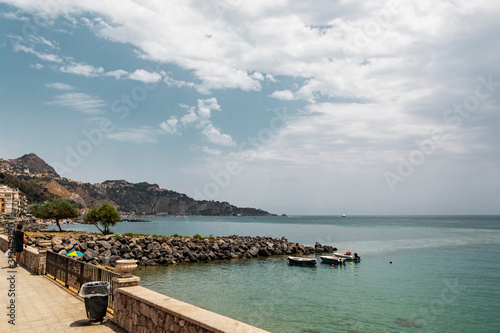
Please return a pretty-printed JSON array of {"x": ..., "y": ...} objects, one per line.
[
  {"x": 39, "y": 182},
  {"x": 34, "y": 164}
]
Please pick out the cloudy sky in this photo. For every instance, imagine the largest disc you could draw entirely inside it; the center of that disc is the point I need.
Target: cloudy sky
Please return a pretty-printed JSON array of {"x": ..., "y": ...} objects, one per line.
[{"x": 297, "y": 107}]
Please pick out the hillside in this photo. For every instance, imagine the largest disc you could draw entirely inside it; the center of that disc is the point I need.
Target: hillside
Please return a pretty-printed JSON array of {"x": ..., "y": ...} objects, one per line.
[{"x": 39, "y": 182}]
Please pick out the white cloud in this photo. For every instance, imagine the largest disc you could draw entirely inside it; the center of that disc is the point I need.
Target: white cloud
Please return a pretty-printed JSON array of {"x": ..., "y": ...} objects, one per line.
[
  {"x": 118, "y": 74},
  {"x": 59, "y": 86},
  {"x": 145, "y": 76},
  {"x": 285, "y": 95},
  {"x": 82, "y": 69},
  {"x": 37, "y": 66},
  {"x": 170, "y": 126},
  {"x": 216, "y": 137},
  {"x": 136, "y": 135},
  {"x": 211, "y": 151},
  {"x": 79, "y": 101},
  {"x": 171, "y": 82},
  {"x": 199, "y": 117},
  {"x": 42, "y": 56}
]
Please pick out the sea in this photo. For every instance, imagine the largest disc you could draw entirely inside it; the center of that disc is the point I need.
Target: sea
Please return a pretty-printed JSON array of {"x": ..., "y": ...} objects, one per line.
[{"x": 417, "y": 273}]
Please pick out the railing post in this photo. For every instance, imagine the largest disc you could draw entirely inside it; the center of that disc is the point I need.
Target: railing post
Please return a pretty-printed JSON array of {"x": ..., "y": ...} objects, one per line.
[
  {"x": 82, "y": 267},
  {"x": 55, "y": 267},
  {"x": 66, "y": 271}
]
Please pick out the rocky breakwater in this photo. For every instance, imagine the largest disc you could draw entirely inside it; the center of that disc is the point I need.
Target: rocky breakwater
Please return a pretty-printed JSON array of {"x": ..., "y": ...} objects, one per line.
[{"x": 163, "y": 250}]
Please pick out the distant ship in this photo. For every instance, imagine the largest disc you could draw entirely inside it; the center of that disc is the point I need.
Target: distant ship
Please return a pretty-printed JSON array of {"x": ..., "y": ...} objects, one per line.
[{"x": 343, "y": 215}]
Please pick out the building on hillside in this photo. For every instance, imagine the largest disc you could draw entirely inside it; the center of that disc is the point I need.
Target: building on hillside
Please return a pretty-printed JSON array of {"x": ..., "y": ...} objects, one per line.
[
  {"x": 12, "y": 202},
  {"x": 3, "y": 200}
]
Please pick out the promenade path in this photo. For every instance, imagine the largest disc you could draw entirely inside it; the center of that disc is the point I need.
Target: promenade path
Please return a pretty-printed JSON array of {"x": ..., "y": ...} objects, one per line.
[{"x": 42, "y": 305}]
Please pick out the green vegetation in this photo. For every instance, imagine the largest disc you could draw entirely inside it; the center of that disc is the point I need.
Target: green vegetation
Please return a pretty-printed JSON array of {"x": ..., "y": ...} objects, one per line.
[
  {"x": 106, "y": 215},
  {"x": 57, "y": 209}
]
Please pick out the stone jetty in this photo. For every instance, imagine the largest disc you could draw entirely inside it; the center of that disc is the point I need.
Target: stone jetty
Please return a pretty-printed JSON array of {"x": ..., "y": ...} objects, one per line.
[{"x": 164, "y": 250}]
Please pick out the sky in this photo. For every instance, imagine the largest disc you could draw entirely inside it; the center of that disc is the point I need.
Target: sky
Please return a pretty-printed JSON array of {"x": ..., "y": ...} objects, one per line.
[{"x": 295, "y": 107}]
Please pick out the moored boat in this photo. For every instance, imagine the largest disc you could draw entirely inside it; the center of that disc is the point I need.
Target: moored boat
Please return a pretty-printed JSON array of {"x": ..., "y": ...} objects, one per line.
[
  {"x": 302, "y": 261},
  {"x": 348, "y": 256},
  {"x": 331, "y": 260}
]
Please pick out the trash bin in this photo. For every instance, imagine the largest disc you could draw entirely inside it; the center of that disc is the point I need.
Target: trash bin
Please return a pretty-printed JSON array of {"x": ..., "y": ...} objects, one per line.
[{"x": 96, "y": 299}]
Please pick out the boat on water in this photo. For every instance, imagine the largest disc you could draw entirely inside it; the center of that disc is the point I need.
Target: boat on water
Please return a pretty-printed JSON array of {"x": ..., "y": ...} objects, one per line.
[
  {"x": 302, "y": 261},
  {"x": 348, "y": 256},
  {"x": 331, "y": 260},
  {"x": 343, "y": 215}
]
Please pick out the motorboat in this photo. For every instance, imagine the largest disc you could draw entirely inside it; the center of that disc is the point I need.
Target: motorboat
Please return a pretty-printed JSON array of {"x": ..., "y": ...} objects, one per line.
[
  {"x": 302, "y": 261},
  {"x": 331, "y": 260},
  {"x": 348, "y": 256}
]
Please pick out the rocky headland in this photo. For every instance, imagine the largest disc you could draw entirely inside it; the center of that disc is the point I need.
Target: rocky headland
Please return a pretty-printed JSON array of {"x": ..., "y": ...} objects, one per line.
[{"x": 171, "y": 250}]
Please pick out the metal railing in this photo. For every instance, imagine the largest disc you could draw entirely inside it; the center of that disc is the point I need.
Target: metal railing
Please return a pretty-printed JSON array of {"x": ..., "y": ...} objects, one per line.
[{"x": 74, "y": 273}]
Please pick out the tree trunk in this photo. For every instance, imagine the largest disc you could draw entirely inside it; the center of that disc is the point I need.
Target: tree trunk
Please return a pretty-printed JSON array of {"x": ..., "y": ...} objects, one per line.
[
  {"x": 57, "y": 222},
  {"x": 98, "y": 228}
]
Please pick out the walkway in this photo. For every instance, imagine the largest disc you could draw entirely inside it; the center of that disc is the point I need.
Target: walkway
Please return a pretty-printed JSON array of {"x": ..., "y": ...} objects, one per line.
[{"x": 42, "y": 305}]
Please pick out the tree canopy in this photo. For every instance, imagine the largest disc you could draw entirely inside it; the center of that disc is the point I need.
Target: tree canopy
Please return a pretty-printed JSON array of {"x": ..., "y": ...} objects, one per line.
[
  {"x": 106, "y": 216},
  {"x": 57, "y": 209}
]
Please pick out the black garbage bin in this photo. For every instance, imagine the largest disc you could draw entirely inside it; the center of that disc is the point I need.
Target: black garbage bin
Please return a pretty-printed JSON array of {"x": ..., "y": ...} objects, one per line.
[{"x": 96, "y": 299}]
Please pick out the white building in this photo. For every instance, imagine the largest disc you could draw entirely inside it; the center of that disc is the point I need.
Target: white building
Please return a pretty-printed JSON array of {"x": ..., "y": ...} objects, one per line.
[{"x": 10, "y": 200}]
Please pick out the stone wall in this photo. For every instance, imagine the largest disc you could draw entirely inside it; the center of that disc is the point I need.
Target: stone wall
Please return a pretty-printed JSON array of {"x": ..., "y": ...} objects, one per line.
[
  {"x": 141, "y": 310},
  {"x": 31, "y": 258}
]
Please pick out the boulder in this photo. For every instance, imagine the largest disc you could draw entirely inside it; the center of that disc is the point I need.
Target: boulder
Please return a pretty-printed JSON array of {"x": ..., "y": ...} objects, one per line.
[
  {"x": 254, "y": 251},
  {"x": 91, "y": 254},
  {"x": 106, "y": 254},
  {"x": 57, "y": 248},
  {"x": 104, "y": 244},
  {"x": 264, "y": 253},
  {"x": 329, "y": 249},
  {"x": 113, "y": 259},
  {"x": 166, "y": 248}
]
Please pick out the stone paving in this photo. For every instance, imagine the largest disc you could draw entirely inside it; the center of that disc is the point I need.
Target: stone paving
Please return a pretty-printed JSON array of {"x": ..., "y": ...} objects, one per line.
[{"x": 42, "y": 305}]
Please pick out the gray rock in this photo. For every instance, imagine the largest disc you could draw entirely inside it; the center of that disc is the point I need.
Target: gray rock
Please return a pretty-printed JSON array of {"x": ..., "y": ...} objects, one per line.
[
  {"x": 328, "y": 248},
  {"x": 57, "y": 248},
  {"x": 254, "y": 251},
  {"x": 113, "y": 259},
  {"x": 104, "y": 244},
  {"x": 264, "y": 253},
  {"x": 106, "y": 254},
  {"x": 91, "y": 254}
]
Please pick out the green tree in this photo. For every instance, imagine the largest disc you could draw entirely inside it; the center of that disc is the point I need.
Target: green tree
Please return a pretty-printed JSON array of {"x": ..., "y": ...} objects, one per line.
[
  {"x": 57, "y": 209},
  {"x": 106, "y": 215}
]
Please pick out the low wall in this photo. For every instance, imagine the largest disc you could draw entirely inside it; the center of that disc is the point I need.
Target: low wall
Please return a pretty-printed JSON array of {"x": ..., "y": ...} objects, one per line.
[
  {"x": 139, "y": 309},
  {"x": 31, "y": 258}
]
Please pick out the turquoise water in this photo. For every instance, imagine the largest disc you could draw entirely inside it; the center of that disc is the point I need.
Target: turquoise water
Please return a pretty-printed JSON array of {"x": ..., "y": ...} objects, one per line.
[{"x": 445, "y": 275}]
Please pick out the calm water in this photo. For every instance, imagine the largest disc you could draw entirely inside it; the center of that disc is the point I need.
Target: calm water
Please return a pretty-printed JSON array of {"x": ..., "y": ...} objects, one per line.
[{"x": 445, "y": 275}]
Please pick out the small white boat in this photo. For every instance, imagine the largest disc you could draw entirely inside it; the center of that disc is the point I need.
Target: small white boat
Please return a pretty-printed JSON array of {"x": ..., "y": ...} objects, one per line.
[
  {"x": 348, "y": 256},
  {"x": 331, "y": 260},
  {"x": 302, "y": 261}
]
